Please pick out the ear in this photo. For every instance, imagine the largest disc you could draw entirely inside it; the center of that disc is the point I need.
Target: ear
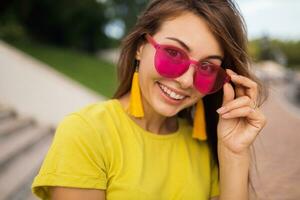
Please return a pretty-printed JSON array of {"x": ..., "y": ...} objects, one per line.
[{"x": 139, "y": 52}]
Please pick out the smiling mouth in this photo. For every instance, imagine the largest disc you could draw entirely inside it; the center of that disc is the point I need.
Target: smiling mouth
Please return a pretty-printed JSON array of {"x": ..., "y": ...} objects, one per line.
[{"x": 171, "y": 93}]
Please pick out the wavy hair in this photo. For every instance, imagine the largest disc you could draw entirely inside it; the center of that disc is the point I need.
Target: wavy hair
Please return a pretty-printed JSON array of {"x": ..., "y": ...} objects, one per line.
[{"x": 226, "y": 24}]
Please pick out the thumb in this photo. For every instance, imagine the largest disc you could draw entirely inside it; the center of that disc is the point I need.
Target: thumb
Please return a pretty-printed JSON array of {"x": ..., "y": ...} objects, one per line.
[{"x": 228, "y": 93}]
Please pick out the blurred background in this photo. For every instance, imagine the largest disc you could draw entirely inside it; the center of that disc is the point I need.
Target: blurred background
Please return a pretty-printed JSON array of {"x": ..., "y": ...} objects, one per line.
[{"x": 57, "y": 56}]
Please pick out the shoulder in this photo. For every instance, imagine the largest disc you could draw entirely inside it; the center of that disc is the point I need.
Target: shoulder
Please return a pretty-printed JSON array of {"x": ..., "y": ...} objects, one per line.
[
  {"x": 100, "y": 114},
  {"x": 97, "y": 110},
  {"x": 91, "y": 119},
  {"x": 89, "y": 128}
]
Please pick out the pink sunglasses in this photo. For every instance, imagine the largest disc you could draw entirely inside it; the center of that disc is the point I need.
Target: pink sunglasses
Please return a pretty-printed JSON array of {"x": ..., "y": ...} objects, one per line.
[{"x": 172, "y": 62}]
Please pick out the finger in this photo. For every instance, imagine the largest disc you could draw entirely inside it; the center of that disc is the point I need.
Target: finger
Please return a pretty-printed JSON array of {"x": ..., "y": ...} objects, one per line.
[
  {"x": 257, "y": 119},
  {"x": 250, "y": 87},
  {"x": 239, "y": 91},
  {"x": 238, "y": 112},
  {"x": 236, "y": 103},
  {"x": 228, "y": 93}
]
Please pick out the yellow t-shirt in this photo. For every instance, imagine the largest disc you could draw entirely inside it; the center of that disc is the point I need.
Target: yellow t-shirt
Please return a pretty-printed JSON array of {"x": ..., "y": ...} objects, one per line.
[{"x": 101, "y": 147}]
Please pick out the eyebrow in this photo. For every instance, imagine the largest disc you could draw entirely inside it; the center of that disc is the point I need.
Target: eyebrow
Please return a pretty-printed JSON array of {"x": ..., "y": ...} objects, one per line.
[
  {"x": 180, "y": 42},
  {"x": 186, "y": 47}
]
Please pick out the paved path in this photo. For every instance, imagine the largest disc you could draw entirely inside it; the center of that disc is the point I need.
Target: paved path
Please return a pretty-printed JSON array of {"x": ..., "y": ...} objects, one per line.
[
  {"x": 36, "y": 90},
  {"x": 278, "y": 150}
]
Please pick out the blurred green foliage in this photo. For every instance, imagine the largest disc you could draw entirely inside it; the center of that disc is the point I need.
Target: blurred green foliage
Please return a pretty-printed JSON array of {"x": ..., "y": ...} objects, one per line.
[
  {"x": 291, "y": 49},
  {"x": 81, "y": 25},
  {"x": 285, "y": 52},
  {"x": 77, "y": 24}
]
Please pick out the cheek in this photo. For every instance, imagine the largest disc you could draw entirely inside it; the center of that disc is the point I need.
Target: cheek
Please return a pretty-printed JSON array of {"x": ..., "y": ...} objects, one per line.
[
  {"x": 147, "y": 71},
  {"x": 147, "y": 76},
  {"x": 197, "y": 96},
  {"x": 195, "y": 99},
  {"x": 147, "y": 61}
]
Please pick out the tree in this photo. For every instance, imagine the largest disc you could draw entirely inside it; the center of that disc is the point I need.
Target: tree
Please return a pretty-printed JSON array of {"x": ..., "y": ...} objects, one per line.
[
  {"x": 72, "y": 23},
  {"x": 75, "y": 23}
]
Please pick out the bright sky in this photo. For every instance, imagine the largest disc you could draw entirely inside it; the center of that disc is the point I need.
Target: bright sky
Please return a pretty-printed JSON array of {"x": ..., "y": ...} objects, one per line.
[{"x": 276, "y": 18}]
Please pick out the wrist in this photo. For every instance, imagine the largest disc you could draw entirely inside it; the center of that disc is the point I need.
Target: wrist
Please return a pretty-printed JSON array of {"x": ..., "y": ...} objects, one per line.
[{"x": 225, "y": 154}]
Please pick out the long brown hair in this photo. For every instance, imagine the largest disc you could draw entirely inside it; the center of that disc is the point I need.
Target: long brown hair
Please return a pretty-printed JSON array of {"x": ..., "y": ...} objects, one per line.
[{"x": 227, "y": 25}]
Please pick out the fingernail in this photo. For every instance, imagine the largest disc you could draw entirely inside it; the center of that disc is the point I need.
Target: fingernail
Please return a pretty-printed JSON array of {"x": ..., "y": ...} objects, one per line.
[
  {"x": 231, "y": 71},
  {"x": 220, "y": 110}
]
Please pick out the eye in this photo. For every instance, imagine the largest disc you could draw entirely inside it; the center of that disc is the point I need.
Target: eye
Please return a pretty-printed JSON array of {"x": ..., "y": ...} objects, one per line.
[
  {"x": 206, "y": 67},
  {"x": 174, "y": 53}
]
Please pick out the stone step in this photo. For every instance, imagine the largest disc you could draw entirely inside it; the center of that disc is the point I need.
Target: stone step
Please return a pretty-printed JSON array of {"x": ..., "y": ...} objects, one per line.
[
  {"x": 24, "y": 192},
  {"x": 13, "y": 125},
  {"x": 16, "y": 178},
  {"x": 18, "y": 142}
]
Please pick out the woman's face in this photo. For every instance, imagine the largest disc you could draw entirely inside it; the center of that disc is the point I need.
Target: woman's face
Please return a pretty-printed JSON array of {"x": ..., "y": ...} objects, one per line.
[{"x": 185, "y": 31}]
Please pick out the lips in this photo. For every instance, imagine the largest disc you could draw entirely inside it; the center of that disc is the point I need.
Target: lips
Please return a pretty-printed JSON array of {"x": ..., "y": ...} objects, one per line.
[{"x": 172, "y": 93}]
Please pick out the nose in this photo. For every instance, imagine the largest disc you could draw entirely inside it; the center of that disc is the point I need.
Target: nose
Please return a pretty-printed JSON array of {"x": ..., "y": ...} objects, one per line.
[{"x": 186, "y": 80}]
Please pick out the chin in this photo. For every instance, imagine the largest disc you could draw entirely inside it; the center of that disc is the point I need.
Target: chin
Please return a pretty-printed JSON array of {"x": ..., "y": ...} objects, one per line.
[
  {"x": 164, "y": 109},
  {"x": 167, "y": 113}
]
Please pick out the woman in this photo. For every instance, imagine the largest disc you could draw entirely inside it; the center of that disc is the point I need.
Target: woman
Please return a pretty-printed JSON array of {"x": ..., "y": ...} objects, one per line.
[{"x": 183, "y": 61}]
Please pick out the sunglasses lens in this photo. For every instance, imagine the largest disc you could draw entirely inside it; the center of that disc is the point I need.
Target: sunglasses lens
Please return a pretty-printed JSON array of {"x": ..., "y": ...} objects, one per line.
[
  {"x": 170, "y": 62},
  {"x": 209, "y": 78}
]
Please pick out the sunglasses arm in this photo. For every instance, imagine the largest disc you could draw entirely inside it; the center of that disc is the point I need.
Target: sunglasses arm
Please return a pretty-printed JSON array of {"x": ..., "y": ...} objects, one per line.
[{"x": 151, "y": 41}]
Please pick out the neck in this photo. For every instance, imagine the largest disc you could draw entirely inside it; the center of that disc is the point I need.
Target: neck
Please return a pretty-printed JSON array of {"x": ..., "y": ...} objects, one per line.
[{"x": 152, "y": 121}]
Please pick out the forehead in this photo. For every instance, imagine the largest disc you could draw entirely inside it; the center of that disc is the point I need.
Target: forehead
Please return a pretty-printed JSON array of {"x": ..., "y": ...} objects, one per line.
[{"x": 193, "y": 31}]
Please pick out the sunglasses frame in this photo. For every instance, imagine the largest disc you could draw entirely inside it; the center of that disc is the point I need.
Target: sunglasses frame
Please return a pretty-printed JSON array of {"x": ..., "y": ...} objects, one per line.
[{"x": 158, "y": 46}]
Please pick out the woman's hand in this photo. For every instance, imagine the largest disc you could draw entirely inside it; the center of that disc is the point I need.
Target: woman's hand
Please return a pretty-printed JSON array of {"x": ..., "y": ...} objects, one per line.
[{"x": 240, "y": 119}]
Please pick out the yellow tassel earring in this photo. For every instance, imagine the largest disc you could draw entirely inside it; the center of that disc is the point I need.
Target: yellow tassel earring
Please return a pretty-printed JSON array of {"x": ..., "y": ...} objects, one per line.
[
  {"x": 199, "y": 129},
  {"x": 135, "y": 104}
]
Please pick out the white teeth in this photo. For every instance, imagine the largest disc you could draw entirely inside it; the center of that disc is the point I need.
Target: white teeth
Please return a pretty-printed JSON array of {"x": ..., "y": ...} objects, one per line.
[
  {"x": 170, "y": 93},
  {"x": 173, "y": 95}
]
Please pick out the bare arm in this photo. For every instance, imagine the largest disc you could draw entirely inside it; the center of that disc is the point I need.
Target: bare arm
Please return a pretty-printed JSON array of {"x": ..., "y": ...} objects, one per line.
[
  {"x": 234, "y": 170},
  {"x": 240, "y": 121},
  {"x": 65, "y": 193}
]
